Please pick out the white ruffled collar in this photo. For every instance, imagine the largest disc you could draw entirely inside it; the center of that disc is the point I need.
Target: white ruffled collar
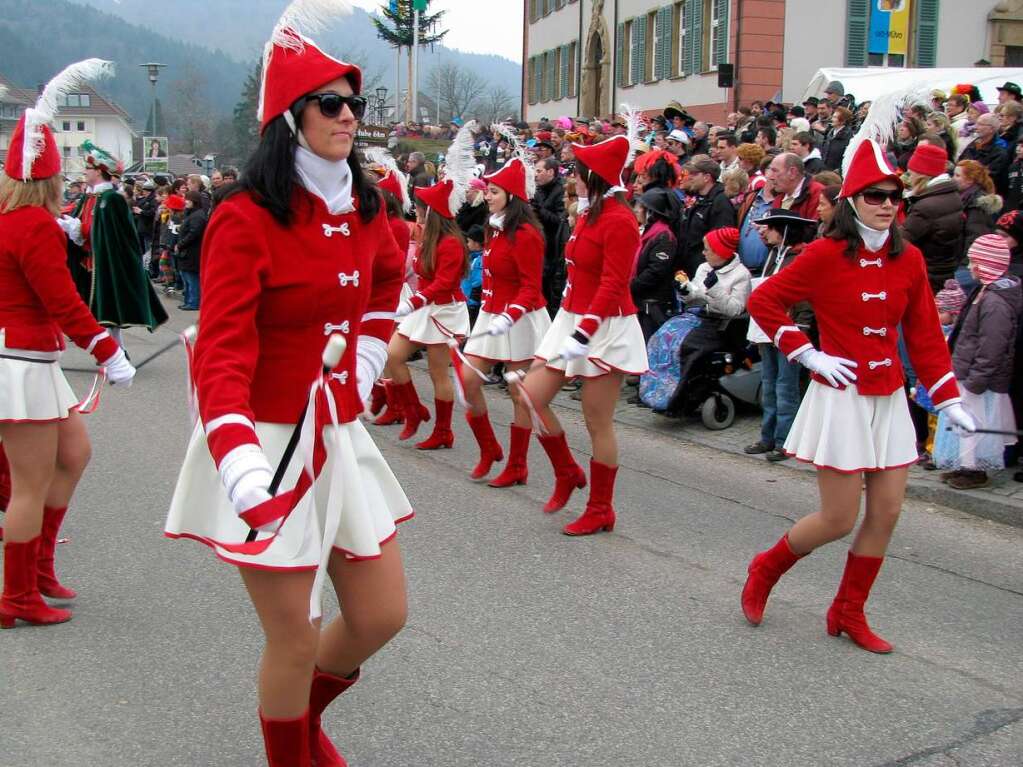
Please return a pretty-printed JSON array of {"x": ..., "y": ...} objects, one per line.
[
  {"x": 329, "y": 180},
  {"x": 497, "y": 220},
  {"x": 873, "y": 240}
]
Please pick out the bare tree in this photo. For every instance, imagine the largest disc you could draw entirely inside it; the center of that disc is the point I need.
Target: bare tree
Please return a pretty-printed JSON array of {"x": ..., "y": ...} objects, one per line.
[
  {"x": 456, "y": 88},
  {"x": 496, "y": 105},
  {"x": 190, "y": 117}
]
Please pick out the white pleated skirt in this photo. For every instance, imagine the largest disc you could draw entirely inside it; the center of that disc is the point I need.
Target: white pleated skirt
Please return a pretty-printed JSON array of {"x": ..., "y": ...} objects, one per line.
[
  {"x": 845, "y": 431},
  {"x": 517, "y": 345},
  {"x": 421, "y": 326},
  {"x": 33, "y": 390},
  {"x": 617, "y": 346},
  {"x": 355, "y": 478}
]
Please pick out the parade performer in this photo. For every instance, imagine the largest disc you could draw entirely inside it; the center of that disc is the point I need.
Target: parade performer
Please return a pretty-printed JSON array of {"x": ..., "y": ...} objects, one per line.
[
  {"x": 106, "y": 259},
  {"x": 596, "y": 335},
  {"x": 43, "y": 435},
  {"x": 299, "y": 250},
  {"x": 863, "y": 281},
  {"x": 513, "y": 318},
  {"x": 436, "y": 312}
]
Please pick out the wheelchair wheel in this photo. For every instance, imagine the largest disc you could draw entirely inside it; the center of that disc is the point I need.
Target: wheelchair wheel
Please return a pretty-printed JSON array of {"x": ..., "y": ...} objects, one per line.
[{"x": 718, "y": 412}]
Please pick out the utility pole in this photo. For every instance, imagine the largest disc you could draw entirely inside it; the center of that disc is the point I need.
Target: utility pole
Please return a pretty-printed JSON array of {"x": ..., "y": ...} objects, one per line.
[{"x": 414, "y": 85}]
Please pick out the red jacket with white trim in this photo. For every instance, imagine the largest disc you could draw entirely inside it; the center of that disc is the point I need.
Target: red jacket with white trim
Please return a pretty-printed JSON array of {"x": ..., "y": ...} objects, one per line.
[
  {"x": 38, "y": 300},
  {"x": 402, "y": 231},
  {"x": 859, "y": 304},
  {"x": 601, "y": 259},
  {"x": 513, "y": 273},
  {"x": 444, "y": 284},
  {"x": 271, "y": 296}
]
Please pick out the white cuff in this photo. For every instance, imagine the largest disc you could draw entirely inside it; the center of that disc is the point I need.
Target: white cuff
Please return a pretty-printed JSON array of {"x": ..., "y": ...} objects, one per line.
[
  {"x": 373, "y": 352},
  {"x": 797, "y": 352},
  {"x": 224, "y": 420},
  {"x": 940, "y": 383}
]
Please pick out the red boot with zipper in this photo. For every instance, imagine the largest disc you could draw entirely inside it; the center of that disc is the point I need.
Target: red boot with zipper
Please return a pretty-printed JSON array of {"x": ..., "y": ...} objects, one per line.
[
  {"x": 516, "y": 471},
  {"x": 325, "y": 688},
  {"x": 846, "y": 612},
  {"x": 49, "y": 586},
  {"x": 392, "y": 411},
  {"x": 442, "y": 435},
  {"x": 599, "y": 514},
  {"x": 21, "y": 599},
  {"x": 490, "y": 448},
  {"x": 286, "y": 741},
  {"x": 377, "y": 398},
  {"x": 412, "y": 409},
  {"x": 568, "y": 475},
  {"x": 764, "y": 571}
]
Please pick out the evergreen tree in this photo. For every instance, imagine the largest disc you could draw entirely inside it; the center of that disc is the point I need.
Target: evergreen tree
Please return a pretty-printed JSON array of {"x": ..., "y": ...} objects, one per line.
[
  {"x": 397, "y": 29},
  {"x": 246, "y": 125}
]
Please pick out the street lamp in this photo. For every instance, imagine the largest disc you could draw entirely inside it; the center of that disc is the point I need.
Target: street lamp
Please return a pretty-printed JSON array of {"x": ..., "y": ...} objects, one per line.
[
  {"x": 154, "y": 74},
  {"x": 381, "y": 99}
]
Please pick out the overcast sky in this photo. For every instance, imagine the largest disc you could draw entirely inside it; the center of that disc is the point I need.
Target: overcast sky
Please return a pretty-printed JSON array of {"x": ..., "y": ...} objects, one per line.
[{"x": 477, "y": 26}]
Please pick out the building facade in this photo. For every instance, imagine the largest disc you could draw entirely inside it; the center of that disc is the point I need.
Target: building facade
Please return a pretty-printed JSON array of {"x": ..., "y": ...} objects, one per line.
[{"x": 587, "y": 57}]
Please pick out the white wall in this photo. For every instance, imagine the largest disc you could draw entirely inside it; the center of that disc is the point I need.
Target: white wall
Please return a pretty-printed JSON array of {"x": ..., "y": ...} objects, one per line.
[
  {"x": 962, "y": 32},
  {"x": 814, "y": 38}
]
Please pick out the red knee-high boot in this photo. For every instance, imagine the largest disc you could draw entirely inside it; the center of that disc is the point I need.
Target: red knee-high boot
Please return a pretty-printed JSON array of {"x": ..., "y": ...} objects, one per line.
[
  {"x": 48, "y": 584},
  {"x": 568, "y": 475},
  {"x": 21, "y": 599},
  {"x": 324, "y": 689},
  {"x": 442, "y": 435},
  {"x": 516, "y": 471},
  {"x": 490, "y": 448},
  {"x": 764, "y": 571},
  {"x": 392, "y": 414},
  {"x": 599, "y": 513},
  {"x": 286, "y": 741},
  {"x": 377, "y": 398},
  {"x": 846, "y": 612},
  {"x": 411, "y": 408}
]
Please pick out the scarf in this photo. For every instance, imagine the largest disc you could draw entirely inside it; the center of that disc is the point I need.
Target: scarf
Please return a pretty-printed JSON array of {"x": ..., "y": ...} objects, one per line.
[
  {"x": 873, "y": 240},
  {"x": 329, "y": 180}
]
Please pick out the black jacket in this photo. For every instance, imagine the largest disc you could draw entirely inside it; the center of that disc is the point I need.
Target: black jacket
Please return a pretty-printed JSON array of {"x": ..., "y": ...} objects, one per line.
[
  {"x": 704, "y": 215},
  {"x": 814, "y": 165},
  {"x": 549, "y": 204},
  {"x": 834, "y": 147},
  {"x": 1014, "y": 186},
  {"x": 190, "y": 240},
  {"x": 655, "y": 269},
  {"x": 980, "y": 211},
  {"x": 144, "y": 220},
  {"x": 935, "y": 225},
  {"x": 470, "y": 215},
  {"x": 992, "y": 157}
]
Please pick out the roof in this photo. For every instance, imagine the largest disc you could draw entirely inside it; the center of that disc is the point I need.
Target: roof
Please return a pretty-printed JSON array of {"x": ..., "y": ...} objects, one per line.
[
  {"x": 99, "y": 106},
  {"x": 16, "y": 95}
]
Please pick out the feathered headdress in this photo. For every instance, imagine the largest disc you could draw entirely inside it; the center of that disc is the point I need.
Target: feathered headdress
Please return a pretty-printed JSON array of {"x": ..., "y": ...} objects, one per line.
[
  {"x": 380, "y": 156},
  {"x": 633, "y": 124},
  {"x": 459, "y": 164},
  {"x": 882, "y": 120},
  {"x": 99, "y": 157},
  {"x": 519, "y": 151},
  {"x": 45, "y": 110}
]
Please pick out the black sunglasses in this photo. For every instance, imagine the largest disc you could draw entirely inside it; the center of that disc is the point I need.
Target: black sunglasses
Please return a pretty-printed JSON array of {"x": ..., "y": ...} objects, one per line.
[
  {"x": 878, "y": 196},
  {"x": 331, "y": 104}
]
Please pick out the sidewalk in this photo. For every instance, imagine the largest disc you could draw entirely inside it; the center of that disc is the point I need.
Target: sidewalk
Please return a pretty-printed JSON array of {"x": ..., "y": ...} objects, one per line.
[{"x": 1001, "y": 501}]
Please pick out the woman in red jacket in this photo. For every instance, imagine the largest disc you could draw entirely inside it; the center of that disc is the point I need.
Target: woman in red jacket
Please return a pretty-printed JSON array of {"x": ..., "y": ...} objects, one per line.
[
  {"x": 863, "y": 281},
  {"x": 299, "y": 251},
  {"x": 42, "y": 432},
  {"x": 595, "y": 335},
  {"x": 436, "y": 312},
  {"x": 512, "y": 320}
]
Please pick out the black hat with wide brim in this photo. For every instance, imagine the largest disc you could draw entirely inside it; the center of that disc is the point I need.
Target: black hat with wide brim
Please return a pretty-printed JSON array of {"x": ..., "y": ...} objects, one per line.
[
  {"x": 663, "y": 202},
  {"x": 780, "y": 218},
  {"x": 675, "y": 109}
]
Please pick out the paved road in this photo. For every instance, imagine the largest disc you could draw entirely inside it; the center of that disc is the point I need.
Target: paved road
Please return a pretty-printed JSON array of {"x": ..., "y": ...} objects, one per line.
[{"x": 525, "y": 647}]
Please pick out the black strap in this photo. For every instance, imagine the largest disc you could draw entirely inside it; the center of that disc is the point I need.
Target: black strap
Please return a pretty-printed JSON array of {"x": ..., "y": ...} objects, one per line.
[{"x": 282, "y": 467}]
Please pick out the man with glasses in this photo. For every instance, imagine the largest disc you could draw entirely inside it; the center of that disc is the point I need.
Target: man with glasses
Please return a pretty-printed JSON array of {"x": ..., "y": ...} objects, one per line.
[{"x": 678, "y": 143}]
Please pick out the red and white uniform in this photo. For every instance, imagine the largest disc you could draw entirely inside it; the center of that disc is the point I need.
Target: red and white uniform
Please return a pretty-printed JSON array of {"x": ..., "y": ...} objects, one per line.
[
  {"x": 38, "y": 307},
  {"x": 512, "y": 286},
  {"x": 601, "y": 259},
  {"x": 439, "y": 298},
  {"x": 273, "y": 295},
  {"x": 859, "y": 304}
]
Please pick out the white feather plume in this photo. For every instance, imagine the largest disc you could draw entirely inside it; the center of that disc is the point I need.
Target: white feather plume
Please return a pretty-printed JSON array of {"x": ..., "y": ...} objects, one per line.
[
  {"x": 882, "y": 120},
  {"x": 69, "y": 79},
  {"x": 519, "y": 150},
  {"x": 459, "y": 164},
  {"x": 634, "y": 124},
  {"x": 380, "y": 156},
  {"x": 300, "y": 19}
]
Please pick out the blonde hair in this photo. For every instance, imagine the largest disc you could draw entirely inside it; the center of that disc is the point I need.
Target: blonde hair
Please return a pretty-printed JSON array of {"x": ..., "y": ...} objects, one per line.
[
  {"x": 735, "y": 181},
  {"x": 44, "y": 193}
]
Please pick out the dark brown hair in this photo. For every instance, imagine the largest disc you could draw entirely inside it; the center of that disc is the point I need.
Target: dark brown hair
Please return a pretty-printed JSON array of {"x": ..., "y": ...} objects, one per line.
[
  {"x": 517, "y": 213},
  {"x": 436, "y": 228},
  {"x": 596, "y": 188},
  {"x": 843, "y": 227}
]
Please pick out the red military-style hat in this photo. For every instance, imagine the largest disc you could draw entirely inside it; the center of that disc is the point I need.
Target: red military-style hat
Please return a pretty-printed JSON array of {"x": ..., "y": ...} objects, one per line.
[
  {"x": 607, "y": 159},
  {"x": 513, "y": 177},
  {"x": 33, "y": 165},
  {"x": 293, "y": 65},
  {"x": 869, "y": 166},
  {"x": 437, "y": 197}
]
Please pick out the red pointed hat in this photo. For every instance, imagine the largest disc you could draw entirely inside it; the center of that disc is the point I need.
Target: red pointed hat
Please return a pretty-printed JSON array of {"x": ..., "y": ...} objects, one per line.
[
  {"x": 607, "y": 159},
  {"x": 45, "y": 165},
  {"x": 293, "y": 65},
  {"x": 511, "y": 178},
  {"x": 437, "y": 197},
  {"x": 869, "y": 166},
  {"x": 390, "y": 183}
]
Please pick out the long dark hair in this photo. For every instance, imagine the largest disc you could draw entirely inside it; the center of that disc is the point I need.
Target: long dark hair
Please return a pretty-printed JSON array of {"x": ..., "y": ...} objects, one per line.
[
  {"x": 392, "y": 204},
  {"x": 271, "y": 177},
  {"x": 596, "y": 188},
  {"x": 517, "y": 213},
  {"x": 843, "y": 227},
  {"x": 435, "y": 228}
]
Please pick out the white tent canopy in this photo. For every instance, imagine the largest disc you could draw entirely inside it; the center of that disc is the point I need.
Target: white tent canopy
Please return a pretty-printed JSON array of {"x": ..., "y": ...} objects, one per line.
[{"x": 868, "y": 83}]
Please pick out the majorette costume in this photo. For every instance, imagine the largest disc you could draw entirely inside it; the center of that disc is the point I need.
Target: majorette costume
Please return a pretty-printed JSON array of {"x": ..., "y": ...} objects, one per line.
[
  {"x": 38, "y": 307},
  {"x": 106, "y": 259},
  {"x": 273, "y": 295},
  {"x": 438, "y": 310},
  {"x": 860, "y": 303}
]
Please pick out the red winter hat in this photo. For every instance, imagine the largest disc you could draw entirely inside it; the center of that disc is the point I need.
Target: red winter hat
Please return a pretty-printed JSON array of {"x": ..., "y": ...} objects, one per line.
[
  {"x": 869, "y": 166},
  {"x": 724, "y": 241},
  {"x": 174, "y": 202},
  {"x": 44, "y": 165},
  {"x": 511, "y": 178},
  {"x": 292, "y": 63},
  {"x": 607, "y": 159},
  {"x": 928, "y": 160},
  {"x": 437, "y": 197}
]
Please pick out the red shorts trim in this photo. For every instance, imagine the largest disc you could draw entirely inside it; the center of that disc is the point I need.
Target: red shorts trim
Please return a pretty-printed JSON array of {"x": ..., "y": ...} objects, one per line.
[
  {"x": 595, "y": 361},
  {"x": 848, "y": 471}
]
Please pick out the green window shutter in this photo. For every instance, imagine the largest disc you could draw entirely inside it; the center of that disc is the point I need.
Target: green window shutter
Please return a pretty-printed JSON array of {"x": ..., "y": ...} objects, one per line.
[
  {"x": 694, "y": 36},
  {"x": 638, "y": 48},
  {"x": 926, "y": 33},
  {"x": 534, "y": 68},
  {"x": 564, "y": 70},
  {"x": 659, "y": 37},
  {"x": 666, "y": 49},
  {"x": 721, "y": 32},
  {"x": 620, "y": 55},
  {"x": 550, "y": 75},
  {"x": 857, "y": 33}
]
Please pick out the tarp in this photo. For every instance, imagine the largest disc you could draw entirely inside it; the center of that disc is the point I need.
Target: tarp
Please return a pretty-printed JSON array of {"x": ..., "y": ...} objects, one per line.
[{"x": 867, "y": 83}]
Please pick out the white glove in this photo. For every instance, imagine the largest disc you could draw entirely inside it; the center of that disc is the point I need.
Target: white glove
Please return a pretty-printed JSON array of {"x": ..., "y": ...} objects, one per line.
[
  {"x": 247, "y": 475},
  {"x": 404, "y": 309},
  {"x": 960, "y": 417},
  {"x": 835, "y": 370},
  {"x": 370, "y": 358},
  {"x": 72, "y": 228},
  {"x": 120, "y": 372},
  {"x": 499, "y": 325},
  {"x": 571, "y": 349}
]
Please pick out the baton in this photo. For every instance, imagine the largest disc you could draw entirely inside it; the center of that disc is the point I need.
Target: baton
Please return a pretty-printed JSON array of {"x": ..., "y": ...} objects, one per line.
[
  {"x": 332, "y": 354},
  {"x": 996, "y": 432}
]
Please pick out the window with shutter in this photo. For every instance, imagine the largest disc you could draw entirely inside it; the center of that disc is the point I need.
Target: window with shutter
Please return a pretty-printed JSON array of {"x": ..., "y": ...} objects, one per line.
[
  {"x": 559, "y": 4},
  {"x": 719, "y": 32},
  {"x": 638, "y": 48},
  {"x": 926, "y": 33},
  {"x": 551, "y": 73},
  {"x": 680, "y": 44},
  {"x": 564, "y": 71},
  {"x": 664, "y": 18},
  {"x": 572, "y": 68},
  {"x": 694, "y": 37},
  {"x": 620, "y": 55},
  {"x": 857, "y": 33}
]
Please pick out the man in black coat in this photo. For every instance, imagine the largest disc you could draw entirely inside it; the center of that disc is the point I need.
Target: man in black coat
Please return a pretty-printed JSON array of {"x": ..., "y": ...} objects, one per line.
[
  {"x": 549, "y": 204},
  {"x": 707, "y": 208},
  {"x": 985, "y": 150}
]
